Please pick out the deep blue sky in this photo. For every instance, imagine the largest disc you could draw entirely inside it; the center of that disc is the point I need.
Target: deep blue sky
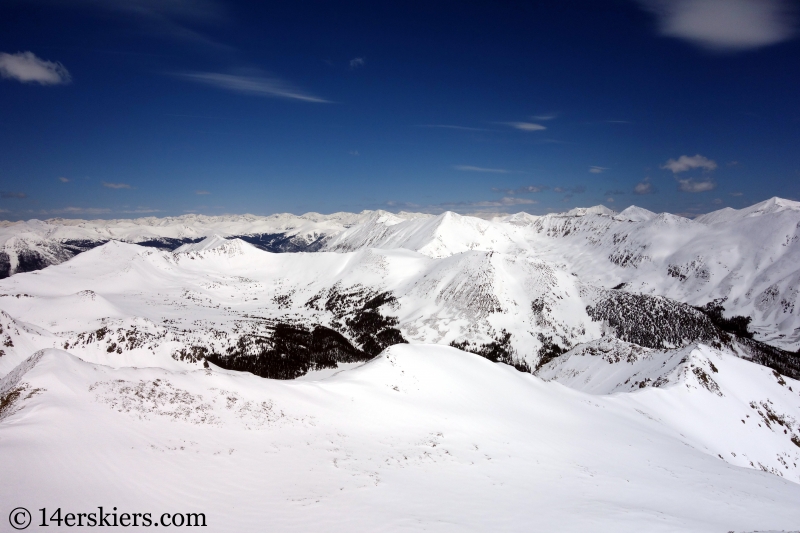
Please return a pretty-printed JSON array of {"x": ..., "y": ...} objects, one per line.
[{"x": 134, "y": 107}]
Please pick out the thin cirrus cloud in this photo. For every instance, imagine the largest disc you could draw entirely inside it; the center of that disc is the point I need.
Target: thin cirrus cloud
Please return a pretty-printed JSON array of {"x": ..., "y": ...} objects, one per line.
[
  {"x": 526, "y": 126},
  {"x": 108, "y": 185},
  {"x": 597, "y": 170},
  {"x": 357, "y": 62},
  {"x": 15, "y": 195},
  {"x": 162, "y": 17},
  {"x": 253, "y": 85},
  {"x": 62, "y": 179},
  {"x": 525, "y": 189},
  {"x": 502, "y": 202},
  {"x": 685, "y": 162},
  {"x": 469, "y": 168},
  {"x": 201, "y": 192},
  {"x": 577, "y": 189},
  {"x": 25, "y": 67},
  {"x": 725, "y": 25}
]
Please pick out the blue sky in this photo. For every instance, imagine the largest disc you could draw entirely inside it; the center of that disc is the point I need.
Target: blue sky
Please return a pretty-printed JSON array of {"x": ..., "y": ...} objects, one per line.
[{"x": 129, "y": 108}]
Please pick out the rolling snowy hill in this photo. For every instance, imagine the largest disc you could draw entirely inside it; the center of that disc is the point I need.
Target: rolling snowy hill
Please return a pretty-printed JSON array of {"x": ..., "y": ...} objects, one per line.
[{"x": 420, "y": 438}]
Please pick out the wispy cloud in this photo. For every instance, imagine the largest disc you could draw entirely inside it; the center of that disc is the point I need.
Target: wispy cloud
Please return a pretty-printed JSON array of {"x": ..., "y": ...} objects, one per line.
[
  {"x": 25, "y": 67},
  {"x": 357, "y": 62},
  {"x": 597, "y": 170},
  {"x": 692, "y": 185},
  {"x": 736, "y": 194},
  {"x": 548, "y": 116},
  {"x": 469, "y": 168},
  {"x": 644, "y": 187},
  {"x": 62, "y": 179},
  {"x": 684, "y": 163},
  {"x": 162, "y": 17},
  {"x": 526, "y": 126},
  {"x": 526, "y": 189},
  {"x": 108, "y": 185},
  {"x": 725, "y": 25},
  {"x": 577, "y": 189},
  {"x": 202, "y": 192},
  {"x": 16, "y": 195},
  {"x": 254, "y": 85},
  {"x": 502, "y": 202}
]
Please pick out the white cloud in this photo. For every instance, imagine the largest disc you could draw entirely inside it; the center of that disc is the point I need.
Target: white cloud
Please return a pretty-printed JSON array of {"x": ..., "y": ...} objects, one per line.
[
  {"x": 716, "y": 201},
  {"x": 62, "y": 179},
  {"x": 644, "y": 187},
  {"x": 684, "y": 163},
  {"x": 736, "y": 194},
  {"x": 549, "y": 116},
  {"x": 256, "y": 85},
  {"x": 597, "y": 170},
  {"x": 526, "y": 126},
  {"x": 692, "y": 185},
  {"x": 725, "y": 24},
  {"x": 25, "y": 67},
  {"x": 353, "y": 152},
  {"x": 469, "y": 168},
  {"x": 202, "y": 192},
  {"x": 357, "y": 62},
  {"x": 116, "y": 185}
]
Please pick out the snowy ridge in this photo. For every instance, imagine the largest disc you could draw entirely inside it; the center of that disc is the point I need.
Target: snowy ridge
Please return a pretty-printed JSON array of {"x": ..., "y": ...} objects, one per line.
[
  {"x": 754, "y": 410},
  {"x": 747, "y": 259}
]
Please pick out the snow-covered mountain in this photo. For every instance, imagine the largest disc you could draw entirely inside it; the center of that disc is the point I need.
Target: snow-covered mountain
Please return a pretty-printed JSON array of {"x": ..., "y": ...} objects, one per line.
[
  {"x": 644, "y": 362},
  {"x": 521, "y": 289},
  {"x": 747, "y": 260},
  {"x": 421, "y": 438}
]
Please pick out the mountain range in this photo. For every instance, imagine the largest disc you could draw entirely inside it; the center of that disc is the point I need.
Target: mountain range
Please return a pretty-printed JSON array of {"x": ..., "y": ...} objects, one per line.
[{"x": 600, "y": 353}]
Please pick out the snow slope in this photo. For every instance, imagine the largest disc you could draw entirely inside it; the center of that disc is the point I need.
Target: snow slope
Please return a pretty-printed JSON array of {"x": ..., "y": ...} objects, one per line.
[
  {"x": 122, "y": 304},
  {"x": 745, "y": 414},
  {"x": 420, "y": 438},
  {"x": 746, "y": 259}
]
